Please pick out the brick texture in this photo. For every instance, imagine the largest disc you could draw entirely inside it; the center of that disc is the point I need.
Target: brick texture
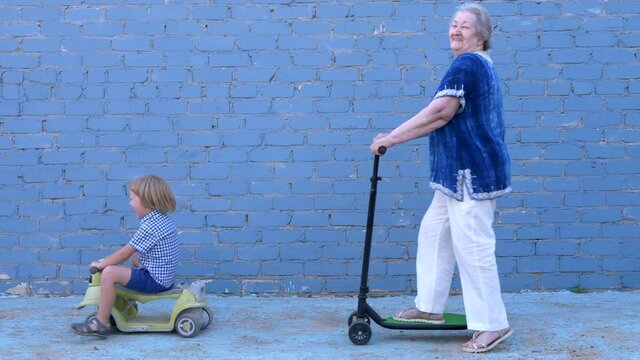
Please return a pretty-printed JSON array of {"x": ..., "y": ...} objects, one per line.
[{"x": 259, "y": 114}]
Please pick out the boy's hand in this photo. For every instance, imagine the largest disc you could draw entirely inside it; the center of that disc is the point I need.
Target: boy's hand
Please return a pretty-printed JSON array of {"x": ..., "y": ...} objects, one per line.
[
  {"x": 135, "y": 260},
  {"x": 96, "y": 264}
]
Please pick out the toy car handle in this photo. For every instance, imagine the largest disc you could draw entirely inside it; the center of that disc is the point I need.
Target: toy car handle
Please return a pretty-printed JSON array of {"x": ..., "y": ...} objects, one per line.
[
  {"x": 94, "y": 269},
  {"x": 382, "y": 150}
]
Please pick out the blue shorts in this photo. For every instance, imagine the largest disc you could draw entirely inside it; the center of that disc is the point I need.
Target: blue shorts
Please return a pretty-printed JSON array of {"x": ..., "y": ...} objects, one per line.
[{"x": 142, "y": 281}]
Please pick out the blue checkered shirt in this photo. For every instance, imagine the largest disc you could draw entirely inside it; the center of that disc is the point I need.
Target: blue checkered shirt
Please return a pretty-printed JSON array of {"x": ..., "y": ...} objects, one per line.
[{"x": 157, "y": 244}]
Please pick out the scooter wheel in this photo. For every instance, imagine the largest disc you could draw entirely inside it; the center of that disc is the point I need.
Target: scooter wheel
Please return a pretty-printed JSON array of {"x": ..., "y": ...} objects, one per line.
[
  {"x": 360, "y": 333},
  {"x": 354, "y": 316},
  {"x": 207, "y": 316},
  {"x": 188, "y": 323}
]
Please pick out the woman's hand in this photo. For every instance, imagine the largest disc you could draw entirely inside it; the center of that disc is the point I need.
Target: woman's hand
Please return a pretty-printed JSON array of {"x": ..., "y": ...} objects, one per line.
[{"x": 381, "y": 140}]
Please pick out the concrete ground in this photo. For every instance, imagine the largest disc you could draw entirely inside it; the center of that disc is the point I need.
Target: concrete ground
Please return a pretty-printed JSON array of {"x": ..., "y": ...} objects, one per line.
[{"x": 547, "y": 325}]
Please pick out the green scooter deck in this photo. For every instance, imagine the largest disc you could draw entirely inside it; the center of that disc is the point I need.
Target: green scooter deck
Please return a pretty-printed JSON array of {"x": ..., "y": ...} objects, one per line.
[{"x": 449, "y": 319}]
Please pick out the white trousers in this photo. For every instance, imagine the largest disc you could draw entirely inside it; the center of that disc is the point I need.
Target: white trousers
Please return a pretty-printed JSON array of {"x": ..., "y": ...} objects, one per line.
[{"x": 453, "y": 231}]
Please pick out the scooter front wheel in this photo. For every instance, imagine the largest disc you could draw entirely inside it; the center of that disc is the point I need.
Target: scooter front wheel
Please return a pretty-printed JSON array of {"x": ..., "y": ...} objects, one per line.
[
  {"x": 354, "y": 317},
  {"x": 360, "y": 332},
  {"x": 188, "y": 323}
]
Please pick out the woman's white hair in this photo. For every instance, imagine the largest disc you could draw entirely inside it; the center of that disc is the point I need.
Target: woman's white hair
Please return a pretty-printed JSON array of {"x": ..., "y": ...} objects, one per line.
[{"x": 483, "y": 22}]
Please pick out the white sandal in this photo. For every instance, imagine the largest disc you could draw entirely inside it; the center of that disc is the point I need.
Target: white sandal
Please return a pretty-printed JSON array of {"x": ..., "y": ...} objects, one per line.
[
  {"x": 478, "y": 345},
  {"x": 415, "y": 315}
]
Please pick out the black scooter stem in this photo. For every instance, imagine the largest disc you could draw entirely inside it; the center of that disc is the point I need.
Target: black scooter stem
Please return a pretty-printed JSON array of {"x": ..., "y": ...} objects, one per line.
[{"x": 364, "y": 277}]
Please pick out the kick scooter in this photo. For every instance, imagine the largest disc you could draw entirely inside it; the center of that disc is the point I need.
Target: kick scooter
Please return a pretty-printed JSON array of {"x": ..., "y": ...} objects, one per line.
[
  {"x": 189, "y": 315},
  {"x": 360, "y": 321}
]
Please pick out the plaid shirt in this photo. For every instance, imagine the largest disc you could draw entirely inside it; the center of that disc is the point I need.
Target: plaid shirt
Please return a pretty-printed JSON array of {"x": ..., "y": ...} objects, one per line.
[{"x": 157, "y": 244}]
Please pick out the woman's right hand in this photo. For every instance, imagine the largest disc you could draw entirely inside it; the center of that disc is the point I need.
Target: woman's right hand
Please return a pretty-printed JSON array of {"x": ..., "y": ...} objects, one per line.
[{"x": 379, "y": 141}]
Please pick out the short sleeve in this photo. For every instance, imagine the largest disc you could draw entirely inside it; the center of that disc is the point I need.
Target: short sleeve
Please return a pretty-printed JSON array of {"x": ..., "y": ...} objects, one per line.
[{"x": 458, "y": 79}]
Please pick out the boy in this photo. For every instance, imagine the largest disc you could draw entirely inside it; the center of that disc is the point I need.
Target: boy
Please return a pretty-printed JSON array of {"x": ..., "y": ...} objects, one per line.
[{"x": 153, "y": 250}]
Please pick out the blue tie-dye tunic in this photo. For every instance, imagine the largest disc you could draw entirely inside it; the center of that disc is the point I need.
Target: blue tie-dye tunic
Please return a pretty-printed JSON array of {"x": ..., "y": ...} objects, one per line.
[{"x": 470, "y": 150}]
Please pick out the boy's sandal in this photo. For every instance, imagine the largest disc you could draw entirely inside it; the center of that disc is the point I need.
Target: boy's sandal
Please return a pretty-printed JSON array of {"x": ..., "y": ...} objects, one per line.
[
  {"x": 415, "y": 315},
  {"x": 479, "y": 343},
  {"x": 85, "y": 329}
]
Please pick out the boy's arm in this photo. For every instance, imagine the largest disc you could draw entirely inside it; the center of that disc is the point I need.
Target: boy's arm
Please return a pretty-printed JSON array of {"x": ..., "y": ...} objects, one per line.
[{"x": 118, "y": 257}]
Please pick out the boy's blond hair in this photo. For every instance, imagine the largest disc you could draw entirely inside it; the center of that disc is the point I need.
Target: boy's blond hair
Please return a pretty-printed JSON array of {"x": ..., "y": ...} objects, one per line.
[{"x": 154, "y": 193}]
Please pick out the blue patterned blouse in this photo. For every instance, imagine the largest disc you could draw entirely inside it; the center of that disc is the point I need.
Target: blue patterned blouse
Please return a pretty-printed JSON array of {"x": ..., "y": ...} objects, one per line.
[{"x": 470, "y": 149}]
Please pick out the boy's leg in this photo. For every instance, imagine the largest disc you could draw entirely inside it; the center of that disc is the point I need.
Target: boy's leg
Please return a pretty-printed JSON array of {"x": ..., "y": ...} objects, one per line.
[{"x": 111, "y": 275}]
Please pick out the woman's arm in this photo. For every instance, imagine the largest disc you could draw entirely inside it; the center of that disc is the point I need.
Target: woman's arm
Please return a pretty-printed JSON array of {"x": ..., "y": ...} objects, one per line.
[
  {"x": 434, "y": 116},
  {"x": 118, "y": 257}
]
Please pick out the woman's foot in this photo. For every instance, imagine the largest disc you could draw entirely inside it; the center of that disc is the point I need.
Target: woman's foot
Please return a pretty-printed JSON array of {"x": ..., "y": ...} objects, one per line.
[
  {"x": 483, "y": 341},
  {"x": 415, "y": 315}
]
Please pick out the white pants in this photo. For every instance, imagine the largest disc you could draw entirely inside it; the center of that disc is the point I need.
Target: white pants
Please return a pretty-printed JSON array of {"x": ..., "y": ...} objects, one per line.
[{"x": 453, "y": 231}]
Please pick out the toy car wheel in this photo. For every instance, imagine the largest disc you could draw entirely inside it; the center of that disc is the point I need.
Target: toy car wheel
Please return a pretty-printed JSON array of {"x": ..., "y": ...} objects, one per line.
[
  {"x": 188, "y": 324},
  {"x": 207, "y": 316},
  {"x": 354, "y": 316},
  {"x": 360, "y": 332}
]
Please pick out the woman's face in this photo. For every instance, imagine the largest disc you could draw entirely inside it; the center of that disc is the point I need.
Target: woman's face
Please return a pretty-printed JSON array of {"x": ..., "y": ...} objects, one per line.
[{"x": 463, "y": 37}]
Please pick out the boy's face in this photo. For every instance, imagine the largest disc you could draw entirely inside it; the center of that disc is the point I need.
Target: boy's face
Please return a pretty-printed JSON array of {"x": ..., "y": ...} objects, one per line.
[{"x": 135, "y": 203}]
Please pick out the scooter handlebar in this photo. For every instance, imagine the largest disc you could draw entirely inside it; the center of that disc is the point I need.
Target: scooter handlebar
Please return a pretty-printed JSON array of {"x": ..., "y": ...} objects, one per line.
[
  {"x": 382, "y": 150},
  {"x": 93, "y": 270}
]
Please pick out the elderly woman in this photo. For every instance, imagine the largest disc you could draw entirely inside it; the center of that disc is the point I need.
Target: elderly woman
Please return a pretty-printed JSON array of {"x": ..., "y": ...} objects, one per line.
[{"x": 469, "y": 170}]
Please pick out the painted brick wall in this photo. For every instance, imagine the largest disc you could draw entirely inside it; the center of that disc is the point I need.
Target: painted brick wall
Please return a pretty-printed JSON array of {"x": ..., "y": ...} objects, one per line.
[{"x": 260, "y": 114}]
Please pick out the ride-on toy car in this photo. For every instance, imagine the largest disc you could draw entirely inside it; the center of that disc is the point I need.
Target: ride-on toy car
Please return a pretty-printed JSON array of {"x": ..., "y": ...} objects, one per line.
[{"x": 190, "y": 313}]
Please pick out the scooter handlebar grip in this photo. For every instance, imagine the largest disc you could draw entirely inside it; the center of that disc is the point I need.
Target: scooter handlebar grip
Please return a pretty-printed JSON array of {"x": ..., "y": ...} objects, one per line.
[
  {"x": 93, "y": 270},
  {"x": 382, "y": 150}
]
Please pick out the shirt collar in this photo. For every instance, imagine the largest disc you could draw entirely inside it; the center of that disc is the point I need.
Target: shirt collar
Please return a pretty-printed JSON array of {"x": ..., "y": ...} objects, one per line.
[
  {"x": 149, "y": 216},
  {"x": 485, "y": 55}
]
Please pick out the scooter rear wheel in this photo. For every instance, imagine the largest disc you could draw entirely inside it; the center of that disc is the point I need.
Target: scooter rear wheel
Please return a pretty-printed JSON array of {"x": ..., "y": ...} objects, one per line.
[{"x": 209, "y": 317}]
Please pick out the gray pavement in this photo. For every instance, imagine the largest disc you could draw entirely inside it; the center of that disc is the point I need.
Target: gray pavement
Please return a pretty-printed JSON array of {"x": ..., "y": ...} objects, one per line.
[{"x": 547, "y": 325}]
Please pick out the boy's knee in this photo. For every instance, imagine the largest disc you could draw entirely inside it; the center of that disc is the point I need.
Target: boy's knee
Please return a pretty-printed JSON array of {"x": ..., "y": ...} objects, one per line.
[
  {"x": 114, "y": 274},
  {"x": 108, "y": 273}
]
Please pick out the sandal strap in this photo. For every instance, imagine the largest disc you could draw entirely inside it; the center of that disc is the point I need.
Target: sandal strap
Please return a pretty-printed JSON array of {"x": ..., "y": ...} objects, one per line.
[
  {"x": 100, "y": 327},
  {"x": 428, "y": 314},
  {"x": 477, "y": 344},
  {"x": 83, "y": 327}
]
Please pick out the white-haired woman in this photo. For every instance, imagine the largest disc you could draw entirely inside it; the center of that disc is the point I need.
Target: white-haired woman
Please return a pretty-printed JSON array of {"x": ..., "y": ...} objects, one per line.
[{"x": 469, "y": 170}]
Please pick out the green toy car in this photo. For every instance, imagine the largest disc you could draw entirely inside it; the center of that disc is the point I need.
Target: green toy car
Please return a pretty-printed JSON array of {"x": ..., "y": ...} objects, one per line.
[{"x": 188, "y": 317}]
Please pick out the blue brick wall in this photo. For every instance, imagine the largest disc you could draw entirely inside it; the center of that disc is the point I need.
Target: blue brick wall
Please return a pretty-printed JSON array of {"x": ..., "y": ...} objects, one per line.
[{"x": 259, "y": 114}]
